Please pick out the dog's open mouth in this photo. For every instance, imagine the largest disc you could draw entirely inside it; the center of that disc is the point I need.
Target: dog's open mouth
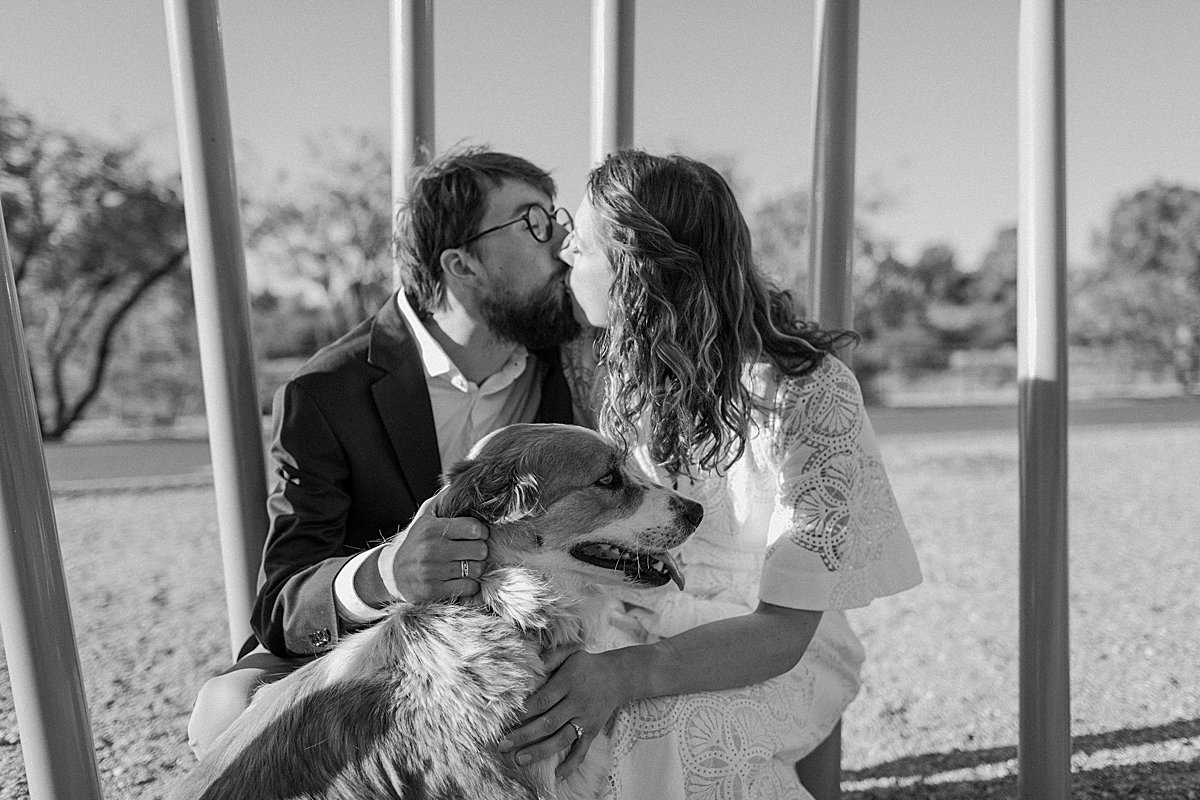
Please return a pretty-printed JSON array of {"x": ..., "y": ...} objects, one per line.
[{"x": 652, "y": 569}]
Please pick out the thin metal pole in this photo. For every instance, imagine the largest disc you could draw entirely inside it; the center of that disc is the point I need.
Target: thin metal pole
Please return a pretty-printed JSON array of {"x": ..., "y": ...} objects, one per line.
[
  {"x": 612, "y": 76},
  {"x": 412, "y": 95},
  {"x": 35, "y": 615},
  {"x": 831, "y": 226},
  {"x": 1044, "y": 749},
  {"x": 222, "y": 308}
]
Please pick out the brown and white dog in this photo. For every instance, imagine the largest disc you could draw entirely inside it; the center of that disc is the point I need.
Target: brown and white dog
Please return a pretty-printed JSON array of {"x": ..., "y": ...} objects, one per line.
[{"x": 413, "y": 707}]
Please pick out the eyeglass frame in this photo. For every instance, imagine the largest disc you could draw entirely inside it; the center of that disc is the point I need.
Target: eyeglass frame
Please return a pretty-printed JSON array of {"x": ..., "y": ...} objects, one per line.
[{"x": 551, "y": 215}]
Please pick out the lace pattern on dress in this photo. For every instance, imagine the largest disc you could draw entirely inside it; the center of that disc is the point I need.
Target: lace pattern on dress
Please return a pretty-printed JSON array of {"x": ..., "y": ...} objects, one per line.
[
  {"x": 580, "y": 367},
  {"x": 834, "y": 495}
]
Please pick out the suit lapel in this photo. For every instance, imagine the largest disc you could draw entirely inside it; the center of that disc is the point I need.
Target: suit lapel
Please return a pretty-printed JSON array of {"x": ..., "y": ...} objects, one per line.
[{"x": 402, "y": 399}]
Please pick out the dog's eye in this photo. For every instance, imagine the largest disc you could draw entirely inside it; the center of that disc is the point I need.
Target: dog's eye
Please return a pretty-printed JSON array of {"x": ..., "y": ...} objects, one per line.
[{"x": 610, "y": 480}]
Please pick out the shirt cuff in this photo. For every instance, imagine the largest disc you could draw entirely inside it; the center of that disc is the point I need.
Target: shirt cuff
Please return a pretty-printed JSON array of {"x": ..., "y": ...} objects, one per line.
[
  {"x": 387, "y": 571},
  {"x": 350, "y": 606}
]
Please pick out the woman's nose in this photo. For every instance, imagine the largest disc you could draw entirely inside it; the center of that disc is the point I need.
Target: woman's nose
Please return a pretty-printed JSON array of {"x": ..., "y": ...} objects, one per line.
[{"x": 564, "y": 251}]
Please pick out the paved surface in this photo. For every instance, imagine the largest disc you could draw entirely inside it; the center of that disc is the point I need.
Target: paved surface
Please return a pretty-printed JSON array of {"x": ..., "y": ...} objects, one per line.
[
  {"x": 182, "y": 462},
  {"x": 959, "y": 419}
]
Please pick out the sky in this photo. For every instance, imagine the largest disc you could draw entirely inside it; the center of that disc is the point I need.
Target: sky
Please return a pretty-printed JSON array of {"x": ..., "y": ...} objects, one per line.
[{"x": 937, "y": 93}]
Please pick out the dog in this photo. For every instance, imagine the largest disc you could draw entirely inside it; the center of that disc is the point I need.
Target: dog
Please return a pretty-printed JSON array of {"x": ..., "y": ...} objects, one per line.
[{"x": 414, "y": 706}]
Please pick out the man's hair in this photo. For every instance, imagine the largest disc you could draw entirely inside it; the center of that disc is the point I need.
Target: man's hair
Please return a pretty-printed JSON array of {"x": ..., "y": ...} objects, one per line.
[{"x": 446, "y": 202}]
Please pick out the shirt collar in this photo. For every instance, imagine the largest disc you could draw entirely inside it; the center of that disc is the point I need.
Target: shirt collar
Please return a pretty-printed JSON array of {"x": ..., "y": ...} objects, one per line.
[
  {"x": 432, "y": 355},
  {"x": 438, "y": 364}
]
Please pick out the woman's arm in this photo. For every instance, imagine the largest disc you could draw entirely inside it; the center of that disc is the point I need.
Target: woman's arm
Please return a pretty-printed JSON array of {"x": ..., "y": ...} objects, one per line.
[{"x": 588, "y": 687}]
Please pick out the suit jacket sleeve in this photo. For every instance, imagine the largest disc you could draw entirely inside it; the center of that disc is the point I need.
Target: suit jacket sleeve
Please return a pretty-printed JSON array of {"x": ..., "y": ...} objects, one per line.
[{"x": 295, "y": 613}]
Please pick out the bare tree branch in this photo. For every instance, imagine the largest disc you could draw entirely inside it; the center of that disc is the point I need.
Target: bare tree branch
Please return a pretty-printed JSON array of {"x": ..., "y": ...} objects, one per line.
[{"x": 100, "y": 364}]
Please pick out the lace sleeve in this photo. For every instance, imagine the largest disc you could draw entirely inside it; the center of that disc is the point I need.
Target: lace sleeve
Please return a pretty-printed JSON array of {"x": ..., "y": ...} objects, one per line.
[
  {"x": 583, "y": 376},
  {"x": 837, "y": 537}
]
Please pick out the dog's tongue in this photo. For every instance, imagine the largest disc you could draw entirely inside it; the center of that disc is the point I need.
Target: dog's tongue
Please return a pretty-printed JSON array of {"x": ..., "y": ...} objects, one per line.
[{"x": 672, "y": 568}]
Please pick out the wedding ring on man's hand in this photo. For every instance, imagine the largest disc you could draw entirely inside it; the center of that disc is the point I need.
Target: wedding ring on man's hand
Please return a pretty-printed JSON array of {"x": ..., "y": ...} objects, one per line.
[
  {"x": 466, "y": 568},
  {"x": 578, "y": 730}
]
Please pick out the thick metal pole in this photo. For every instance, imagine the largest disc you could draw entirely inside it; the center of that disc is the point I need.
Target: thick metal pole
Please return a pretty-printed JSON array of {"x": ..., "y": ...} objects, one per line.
[
  {"x": 222, "y": 309},
  {"x": 1044, "y": 750},
  {"x": 612, "y": 76},
  {"x": 831, "y": 226},
  {"x": 412, "y": 94},
  {"x": 35, "y": 616}
]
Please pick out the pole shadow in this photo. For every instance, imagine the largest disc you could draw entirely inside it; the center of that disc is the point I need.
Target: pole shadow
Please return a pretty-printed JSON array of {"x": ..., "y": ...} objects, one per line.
[{"x": 1167, "y": 779}]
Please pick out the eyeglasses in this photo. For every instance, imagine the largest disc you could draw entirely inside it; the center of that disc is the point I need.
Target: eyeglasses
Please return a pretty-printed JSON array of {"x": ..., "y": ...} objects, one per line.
[{"x": 537, "y": 219}]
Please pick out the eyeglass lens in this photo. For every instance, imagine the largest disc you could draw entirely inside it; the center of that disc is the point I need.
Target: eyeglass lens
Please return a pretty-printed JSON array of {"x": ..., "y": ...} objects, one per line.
[{"x": 539, "y": 223}]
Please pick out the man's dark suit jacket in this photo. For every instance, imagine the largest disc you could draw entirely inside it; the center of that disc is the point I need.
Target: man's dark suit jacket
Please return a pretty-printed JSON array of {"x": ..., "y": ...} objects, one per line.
[{"x": 355, "y": 454}]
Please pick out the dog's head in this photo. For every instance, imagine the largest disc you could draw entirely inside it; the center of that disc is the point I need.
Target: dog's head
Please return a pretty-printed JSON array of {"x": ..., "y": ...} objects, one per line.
[{"x": 559, "y": 498}]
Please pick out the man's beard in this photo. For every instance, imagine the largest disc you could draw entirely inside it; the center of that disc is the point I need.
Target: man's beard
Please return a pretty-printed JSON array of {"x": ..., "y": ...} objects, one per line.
[{"x": 542, "y": 319}]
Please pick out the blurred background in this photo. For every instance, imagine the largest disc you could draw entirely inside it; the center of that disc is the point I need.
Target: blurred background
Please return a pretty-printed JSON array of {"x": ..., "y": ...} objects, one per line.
[{"x": 91, "y": 196}]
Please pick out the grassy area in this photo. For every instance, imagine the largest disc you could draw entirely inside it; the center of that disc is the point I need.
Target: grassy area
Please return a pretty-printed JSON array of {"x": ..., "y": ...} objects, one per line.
[{"x": 937, "y": 716}]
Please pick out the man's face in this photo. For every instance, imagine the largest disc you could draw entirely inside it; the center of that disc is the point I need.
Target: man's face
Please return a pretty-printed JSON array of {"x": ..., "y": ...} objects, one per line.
[{"x": 523, "y": 298}]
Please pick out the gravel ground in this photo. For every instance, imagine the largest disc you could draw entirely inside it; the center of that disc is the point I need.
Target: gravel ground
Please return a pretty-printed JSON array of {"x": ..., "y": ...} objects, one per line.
[{"x": 937, "y": 715}]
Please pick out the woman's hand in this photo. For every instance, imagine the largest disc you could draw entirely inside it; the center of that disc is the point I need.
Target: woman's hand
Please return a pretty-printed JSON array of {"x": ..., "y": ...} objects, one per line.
[{"x": 584, "y": 690}]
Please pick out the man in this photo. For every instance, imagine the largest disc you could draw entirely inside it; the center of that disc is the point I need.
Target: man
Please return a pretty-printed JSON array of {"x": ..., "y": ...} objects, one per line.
[{"x": 363, "y": 430}]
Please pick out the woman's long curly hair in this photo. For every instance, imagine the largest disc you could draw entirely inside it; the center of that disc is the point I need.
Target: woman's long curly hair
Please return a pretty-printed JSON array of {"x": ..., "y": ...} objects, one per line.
[{"x": 689, "y": 311}]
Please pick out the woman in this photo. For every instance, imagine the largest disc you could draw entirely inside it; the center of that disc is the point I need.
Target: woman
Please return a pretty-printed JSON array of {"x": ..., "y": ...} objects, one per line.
[{"x": 717, "y": 388}]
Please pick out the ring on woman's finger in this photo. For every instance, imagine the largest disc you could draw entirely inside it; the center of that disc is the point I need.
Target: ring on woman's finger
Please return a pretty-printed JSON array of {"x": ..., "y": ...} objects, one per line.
[
  {"x": 466, "y": 568},
  {"x": 578, "y": 730}
]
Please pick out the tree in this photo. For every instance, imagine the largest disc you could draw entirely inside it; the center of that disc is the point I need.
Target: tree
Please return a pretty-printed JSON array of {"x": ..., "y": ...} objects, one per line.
[
  {"x": 972, "y": 310},
  {"x": 891, "y": 312},
  {"x": 1145, "y": 296},
  {"x": 779, "y": 229},
  {"x": 328, "y": 234},
  {"x": 92, "y": 233},
  {"x": 1156, "y": 230},
  {"x": 994, "y": 290}
]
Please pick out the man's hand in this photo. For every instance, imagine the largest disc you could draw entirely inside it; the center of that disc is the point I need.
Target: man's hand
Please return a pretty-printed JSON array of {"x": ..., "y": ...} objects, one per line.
[
  {"x": 434, "y": 558},
  {"x": 437, "y": 558}
]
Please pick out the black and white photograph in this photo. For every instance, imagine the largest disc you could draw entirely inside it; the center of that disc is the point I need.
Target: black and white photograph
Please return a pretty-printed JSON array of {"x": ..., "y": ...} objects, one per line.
[{"x": 599, "y": 400}]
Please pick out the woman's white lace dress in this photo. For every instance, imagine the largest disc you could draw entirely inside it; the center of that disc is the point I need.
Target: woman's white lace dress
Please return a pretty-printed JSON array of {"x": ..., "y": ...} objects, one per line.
[{"x": 805, "y": 519}]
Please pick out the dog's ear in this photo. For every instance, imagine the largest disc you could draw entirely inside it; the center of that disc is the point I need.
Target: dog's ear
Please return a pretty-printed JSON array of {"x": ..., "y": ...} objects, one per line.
[{"x": 495, "y": 492}]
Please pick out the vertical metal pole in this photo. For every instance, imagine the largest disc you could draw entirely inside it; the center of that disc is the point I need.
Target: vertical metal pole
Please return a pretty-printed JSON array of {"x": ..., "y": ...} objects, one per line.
[
  {"x": 222, "y": 309},
  {"x": 1044, "y": 750},
  {"x": 35, "y": 615},
  {"x": 612, "y": 76},
  {"x": 831, "y": 226},
  {"x": 412, "y": 94}
]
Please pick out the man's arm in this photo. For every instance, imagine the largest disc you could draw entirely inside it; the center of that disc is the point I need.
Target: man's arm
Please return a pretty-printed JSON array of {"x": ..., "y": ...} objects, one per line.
[
  {"x": 294, "y": 612},
  {"x": 426, "y": 561},
  {"x": 303, "y": 607}
]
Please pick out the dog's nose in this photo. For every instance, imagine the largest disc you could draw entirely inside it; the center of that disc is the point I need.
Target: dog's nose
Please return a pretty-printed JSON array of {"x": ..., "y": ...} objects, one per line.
[{"x": 692, "y": 511}]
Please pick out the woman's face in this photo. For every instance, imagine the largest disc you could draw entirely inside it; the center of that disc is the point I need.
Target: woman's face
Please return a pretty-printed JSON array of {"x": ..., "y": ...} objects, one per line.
[{"x": 591, "y": 275}]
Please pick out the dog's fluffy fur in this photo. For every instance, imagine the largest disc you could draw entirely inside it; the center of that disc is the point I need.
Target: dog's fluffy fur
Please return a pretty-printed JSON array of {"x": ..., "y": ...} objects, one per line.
[{"x": 413, "y": 707}]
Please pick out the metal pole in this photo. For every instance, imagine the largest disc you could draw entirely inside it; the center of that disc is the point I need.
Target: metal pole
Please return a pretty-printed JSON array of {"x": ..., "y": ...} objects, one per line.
[
  {"x": 222, "y": 309},
  {"x": 412, "y": 95},
  {"x": 831, "y": 226},
  {"x": 1044, "y": 750},
  {"x": 35, "y": 615},
  {"x": 612, "y": 76}
]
